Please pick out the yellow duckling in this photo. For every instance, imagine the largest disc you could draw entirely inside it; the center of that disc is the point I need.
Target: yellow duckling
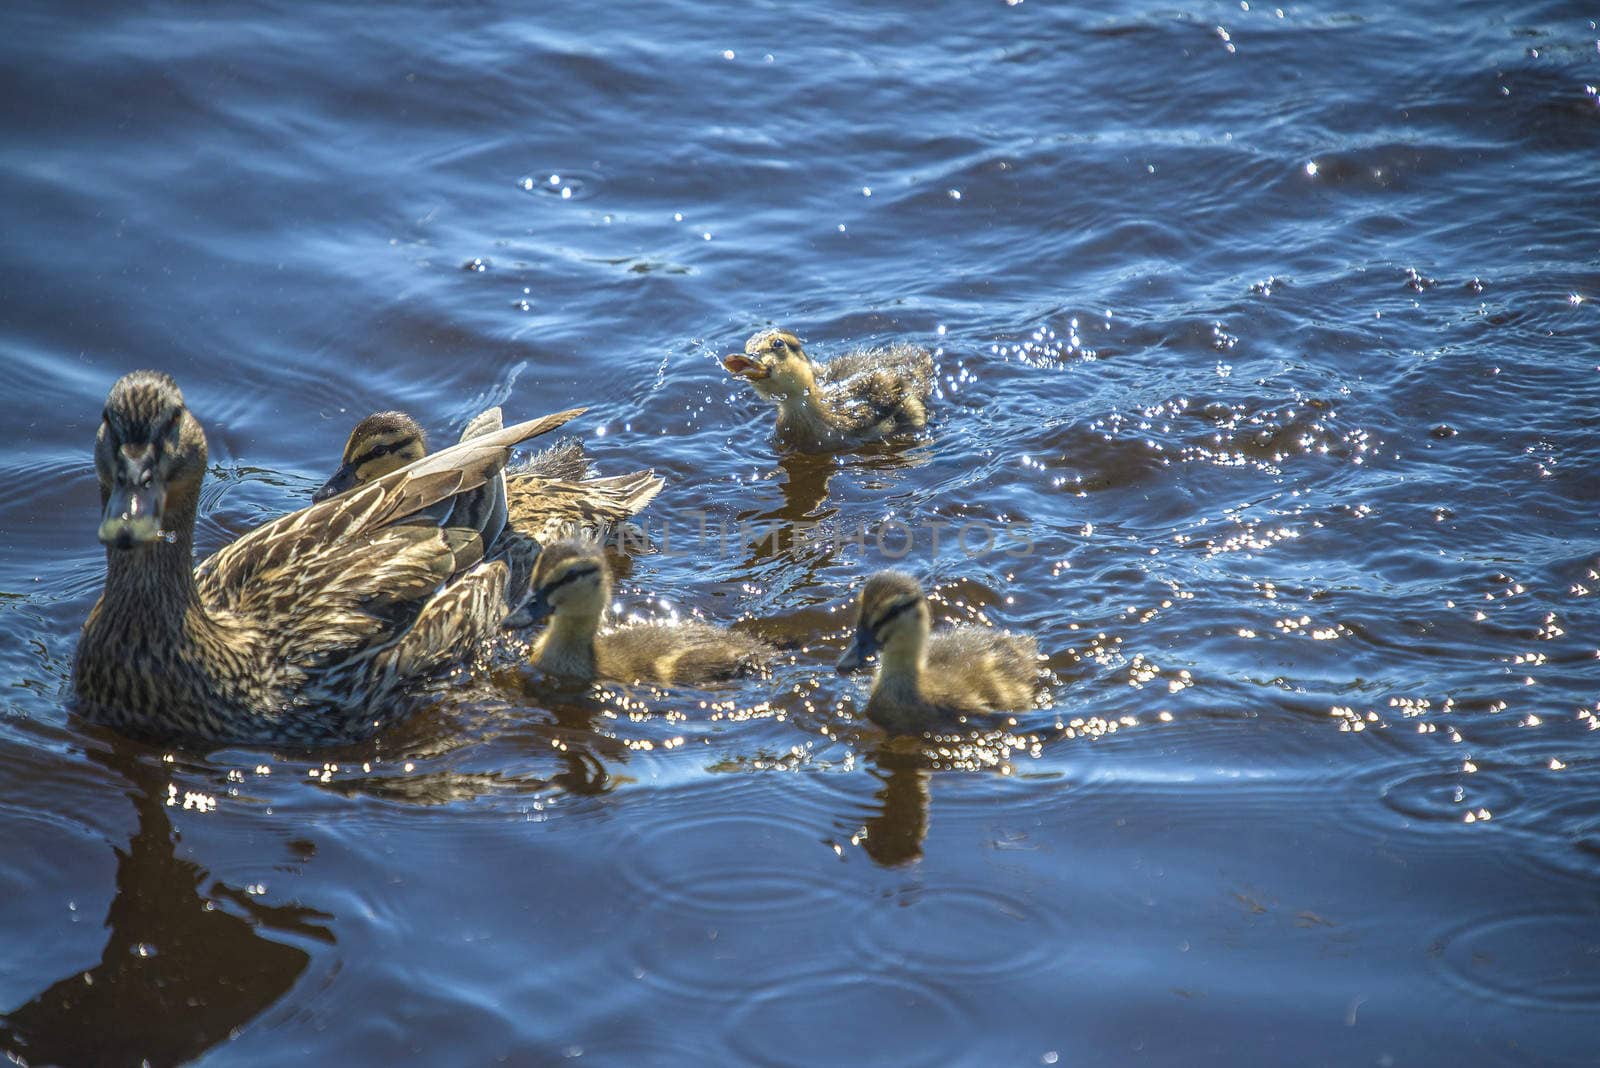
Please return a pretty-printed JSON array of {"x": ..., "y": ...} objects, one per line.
[
  {"x": 927, "y": 680},
  {"x": 549, "y": 496},
  {"x": 849, "y": 401},
  {"x": 306, "y": 630},
  {"x": 571, "y": 587}
]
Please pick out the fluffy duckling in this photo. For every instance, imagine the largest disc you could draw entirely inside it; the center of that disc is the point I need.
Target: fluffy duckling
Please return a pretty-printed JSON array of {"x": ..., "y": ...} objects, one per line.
[
  {"x": 849, "y": 401},
  {"x": 306, "y": 630},
  {"x": 928, "y": 679},
  {"x": 548, "y": 496},
  {"x": 571, "y": 587}
]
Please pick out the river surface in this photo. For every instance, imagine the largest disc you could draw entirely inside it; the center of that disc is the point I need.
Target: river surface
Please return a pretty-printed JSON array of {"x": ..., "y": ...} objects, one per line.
[{"x": 1269, "y": 347}]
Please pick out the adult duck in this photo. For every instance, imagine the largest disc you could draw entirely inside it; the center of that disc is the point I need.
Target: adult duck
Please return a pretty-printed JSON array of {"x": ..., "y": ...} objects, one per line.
[{"x": 307, "y": 630}]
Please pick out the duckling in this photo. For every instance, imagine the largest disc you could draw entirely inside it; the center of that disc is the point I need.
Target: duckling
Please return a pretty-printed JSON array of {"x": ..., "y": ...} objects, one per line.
[
  {"x": 849, "y": 401},
  {"x": 928, "y": 679},
  {"x": 550, "y": 495},
  {"x": 571, "y": 587},
  {"x": 304, "y": 631}
]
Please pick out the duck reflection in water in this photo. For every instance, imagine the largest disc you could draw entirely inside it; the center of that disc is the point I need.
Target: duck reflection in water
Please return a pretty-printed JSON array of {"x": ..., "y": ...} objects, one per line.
[
  {"x": 805, "y": 530},
  {"x": 895, "y": 835},
  {"x": 185, "y": 964}
]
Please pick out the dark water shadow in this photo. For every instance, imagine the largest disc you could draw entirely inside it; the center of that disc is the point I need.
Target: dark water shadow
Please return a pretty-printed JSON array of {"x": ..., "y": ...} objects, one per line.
[
  {"x": 895, "y": 835},
  {"x": 185, "y": 963}
]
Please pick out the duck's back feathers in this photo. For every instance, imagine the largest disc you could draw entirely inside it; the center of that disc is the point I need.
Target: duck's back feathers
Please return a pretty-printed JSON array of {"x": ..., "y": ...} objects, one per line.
[
  {"x": 879, "y": 386},
  {"x": 907, "y": 364},
  {"x": 976, "y": 669},
  {"x": 565, "y": 460},
  {"x": 548, "y": 509},
  {"x": 688, "y": 652}
]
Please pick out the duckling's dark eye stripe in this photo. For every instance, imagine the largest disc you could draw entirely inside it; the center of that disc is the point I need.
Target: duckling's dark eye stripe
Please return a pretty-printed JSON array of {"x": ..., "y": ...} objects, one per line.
[
  {"x": 898, "y": 609},
  {"x": 570, "y": 576}
]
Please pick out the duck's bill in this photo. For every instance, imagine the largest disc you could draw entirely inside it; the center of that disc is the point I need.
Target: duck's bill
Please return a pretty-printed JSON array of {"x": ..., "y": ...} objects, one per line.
[
  {"x": 342, "y": 480},
  {"x": 856, "y": 656},
  {"x": 533, "y": 612},
  {"x": 132, "y": 516},
  {"x": 745, "y": 366}
]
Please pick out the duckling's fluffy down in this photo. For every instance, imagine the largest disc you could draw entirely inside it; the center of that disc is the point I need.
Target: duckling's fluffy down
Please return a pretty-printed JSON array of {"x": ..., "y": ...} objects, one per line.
[
  {"x": 871, "y": 386},
  {"x": 689, "y": 652},
  {"x": 975, "y": 669}
]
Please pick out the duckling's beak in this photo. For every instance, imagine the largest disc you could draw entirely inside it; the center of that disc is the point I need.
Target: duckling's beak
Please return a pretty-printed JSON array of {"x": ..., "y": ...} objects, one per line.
[
  {"x": 863, "y": 646},
  {"x": 133, "y": 510},
  {"x": 740, "y": 364},
  {"x": 531, "y": 614},
  {"x": 342, "y": 480}
]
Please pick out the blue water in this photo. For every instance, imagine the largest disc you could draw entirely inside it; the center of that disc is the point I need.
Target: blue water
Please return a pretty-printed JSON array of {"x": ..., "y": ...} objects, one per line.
[{"x": 1275, "y": 331}]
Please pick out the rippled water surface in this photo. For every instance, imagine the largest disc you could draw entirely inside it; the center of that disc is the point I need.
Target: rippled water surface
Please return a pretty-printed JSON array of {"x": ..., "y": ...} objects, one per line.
[{"x": 1274, "y": 333}]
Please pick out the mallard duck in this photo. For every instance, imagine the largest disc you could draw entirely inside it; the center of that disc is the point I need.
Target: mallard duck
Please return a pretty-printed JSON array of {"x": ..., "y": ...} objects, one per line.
[
  {"x": 305, "y": 630},
  {"x": 849, "y": 401},
  {"x": 571, "y": 586},
  {"x": 548, "y": 496},
  {"x": 932, "y": 679}
]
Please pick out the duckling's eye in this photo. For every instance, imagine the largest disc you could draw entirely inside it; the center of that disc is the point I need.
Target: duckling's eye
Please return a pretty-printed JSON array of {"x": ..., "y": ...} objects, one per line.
[{"x": 778, "y": 345}]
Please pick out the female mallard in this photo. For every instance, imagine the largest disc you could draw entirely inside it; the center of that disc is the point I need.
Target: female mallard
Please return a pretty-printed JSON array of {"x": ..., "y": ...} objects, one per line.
[
  {"x": 571, "y": 586},
  {"x": 927, "y": 680},
  {"x": 305, "y": 630},
  {"x": 849, "y": 401},
  {"x": 549, "y": 496}
]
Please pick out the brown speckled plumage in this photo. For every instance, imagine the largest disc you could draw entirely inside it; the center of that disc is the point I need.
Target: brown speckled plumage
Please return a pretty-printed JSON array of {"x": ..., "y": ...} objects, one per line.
[
  {"x": 848, "y": 401},
  {"x": 572, "y": 584},
  {"x": 931, "y": 678},
  {"x": 552, "y": 495},
  {"x": 305, "y": 631}
]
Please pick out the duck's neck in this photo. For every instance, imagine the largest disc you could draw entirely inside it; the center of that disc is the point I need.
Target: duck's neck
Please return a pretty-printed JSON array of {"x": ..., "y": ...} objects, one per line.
[
  {"x": 807, "y": 414},
  {"x": 899, "y": 679},
  {"x": 567, "y": 645},
  {"x": 152, "y": 585}
]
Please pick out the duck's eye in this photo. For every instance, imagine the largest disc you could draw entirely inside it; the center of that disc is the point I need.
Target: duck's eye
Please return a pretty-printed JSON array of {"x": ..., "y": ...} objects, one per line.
[{"x": 778, "y": 345}]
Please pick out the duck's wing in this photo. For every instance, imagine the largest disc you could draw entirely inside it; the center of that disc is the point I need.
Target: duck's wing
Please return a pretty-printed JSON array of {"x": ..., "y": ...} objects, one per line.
[
  {"x": 565, "y": 459},
  {"x": 546, "y": 508},
  {"x": 485, "y": 422},
  {"x": 485, "y": 507},
  {"x": 377, "y": 545}
]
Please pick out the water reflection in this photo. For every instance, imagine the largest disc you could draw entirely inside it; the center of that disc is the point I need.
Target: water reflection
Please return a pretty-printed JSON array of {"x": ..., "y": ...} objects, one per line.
[
  {"x": 895, "y": 835},
  {"x": 185, "y": 964},
  {"x": 805, "y": 487}
]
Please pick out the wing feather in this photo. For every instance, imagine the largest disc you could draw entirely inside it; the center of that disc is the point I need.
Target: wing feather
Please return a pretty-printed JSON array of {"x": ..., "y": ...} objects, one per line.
[{"x": 302, "y": 538}]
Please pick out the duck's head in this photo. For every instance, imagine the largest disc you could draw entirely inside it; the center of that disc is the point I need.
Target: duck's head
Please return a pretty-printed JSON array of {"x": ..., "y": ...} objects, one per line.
[
  {"x": 893, "y": 619},
  {"x": 380, "y": 443},
  {"x": 571, "y": 579},
  {"x": 150, "y": 456},
  {"x": 775, "y": 364}
]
